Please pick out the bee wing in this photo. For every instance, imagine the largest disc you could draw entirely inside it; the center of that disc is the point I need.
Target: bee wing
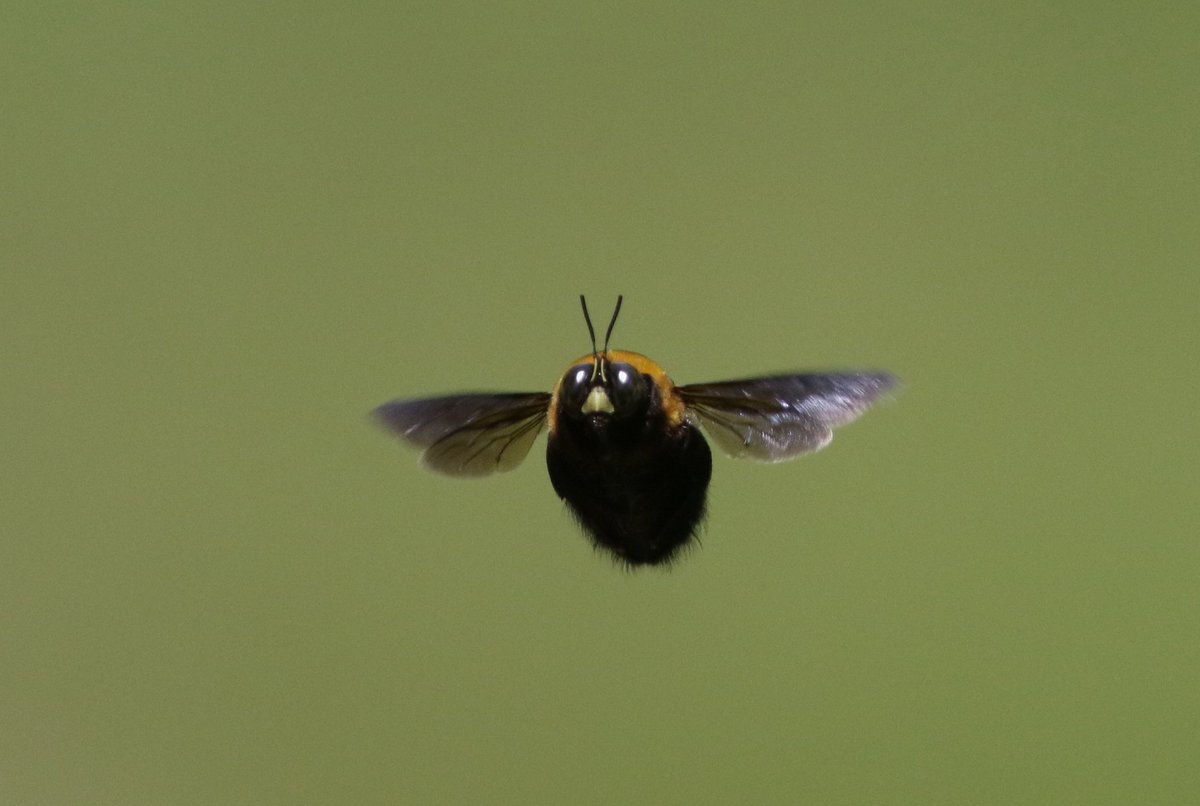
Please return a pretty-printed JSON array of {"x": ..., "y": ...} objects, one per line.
[
  {"x": 780, "y": 417},
  {"x": 469, "y": 435}
]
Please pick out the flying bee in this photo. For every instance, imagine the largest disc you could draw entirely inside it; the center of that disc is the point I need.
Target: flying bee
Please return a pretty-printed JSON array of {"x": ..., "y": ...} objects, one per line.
[{"x": 625, "y": 450}]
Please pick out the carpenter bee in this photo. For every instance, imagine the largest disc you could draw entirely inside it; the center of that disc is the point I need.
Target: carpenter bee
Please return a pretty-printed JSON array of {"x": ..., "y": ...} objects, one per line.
[{"x": 625, "y": 449}]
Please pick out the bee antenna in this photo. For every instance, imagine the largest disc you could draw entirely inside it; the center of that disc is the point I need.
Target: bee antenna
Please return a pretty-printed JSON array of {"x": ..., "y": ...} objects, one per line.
[
  {"x": 612, "y": 322},
  {"x": 588, "y": 319}
]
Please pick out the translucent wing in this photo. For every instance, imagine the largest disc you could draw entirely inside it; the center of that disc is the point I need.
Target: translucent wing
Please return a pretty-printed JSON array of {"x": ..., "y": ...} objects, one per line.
[
  {"x": 779, "y": 417},
  {"x": 469, "y": 435}
]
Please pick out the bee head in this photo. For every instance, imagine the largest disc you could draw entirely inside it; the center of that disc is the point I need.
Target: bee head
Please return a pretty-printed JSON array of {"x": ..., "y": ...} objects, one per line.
[{"x": 600, "y": 390}]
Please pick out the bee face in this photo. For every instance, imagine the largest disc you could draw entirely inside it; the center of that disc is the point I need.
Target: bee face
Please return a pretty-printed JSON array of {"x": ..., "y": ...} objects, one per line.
[
  {"x": 624, "y": 450},
  {"x": 610, "y": 391}
]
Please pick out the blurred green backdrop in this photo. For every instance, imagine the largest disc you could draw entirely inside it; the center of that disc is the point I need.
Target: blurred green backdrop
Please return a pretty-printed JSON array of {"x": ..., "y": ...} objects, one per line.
[{"x": 228, "y": 232}]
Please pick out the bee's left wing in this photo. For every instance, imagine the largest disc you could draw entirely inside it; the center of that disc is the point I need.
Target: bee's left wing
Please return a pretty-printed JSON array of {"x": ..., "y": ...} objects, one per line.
[
  {"x": 779, "y": 417},
  {"x": 471, "y": 434}
]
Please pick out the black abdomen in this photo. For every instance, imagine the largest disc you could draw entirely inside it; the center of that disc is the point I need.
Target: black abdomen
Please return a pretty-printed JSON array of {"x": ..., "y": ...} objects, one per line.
[{"x": 639, "y": 495}]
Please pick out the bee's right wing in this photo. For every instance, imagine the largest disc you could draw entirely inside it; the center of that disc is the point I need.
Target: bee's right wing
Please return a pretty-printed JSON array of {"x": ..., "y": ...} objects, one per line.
[{"x": 471, "y": 434}]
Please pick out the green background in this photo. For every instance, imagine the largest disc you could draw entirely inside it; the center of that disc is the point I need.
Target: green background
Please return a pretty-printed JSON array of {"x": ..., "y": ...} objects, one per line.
[{"x": 226, "y": 233}]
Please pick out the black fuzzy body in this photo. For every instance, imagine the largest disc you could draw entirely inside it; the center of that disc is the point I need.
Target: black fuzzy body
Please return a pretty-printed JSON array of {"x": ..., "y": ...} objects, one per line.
[{"x": 636, "y": 483}]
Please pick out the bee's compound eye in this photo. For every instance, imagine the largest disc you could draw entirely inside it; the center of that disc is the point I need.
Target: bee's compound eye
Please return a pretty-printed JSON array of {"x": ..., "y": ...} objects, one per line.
[
  {"x": 622, "y": 376},
  {"x": 576, "y": 381},
  {"x": 627, "y": 386}
]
